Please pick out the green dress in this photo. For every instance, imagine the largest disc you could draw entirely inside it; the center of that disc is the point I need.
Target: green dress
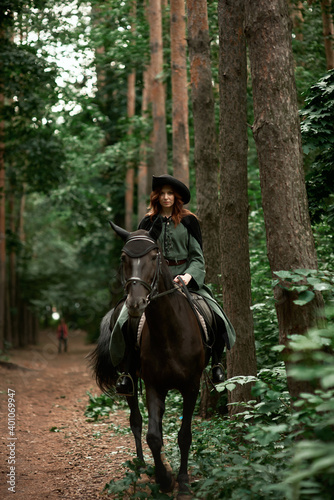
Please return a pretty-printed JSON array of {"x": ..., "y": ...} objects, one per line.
[{"x": 177, "y": 244}]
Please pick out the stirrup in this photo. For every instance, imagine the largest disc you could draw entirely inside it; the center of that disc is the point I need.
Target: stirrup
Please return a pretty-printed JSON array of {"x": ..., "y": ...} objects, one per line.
[
  {"x": 125, "y": 385},
  {"x": 221, "y": 377}
]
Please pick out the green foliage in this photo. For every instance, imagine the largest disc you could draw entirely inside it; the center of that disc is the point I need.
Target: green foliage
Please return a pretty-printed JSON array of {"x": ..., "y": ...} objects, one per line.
[
  {"x": 318, "y": 144},
  {"x": 306, "y": 282},
  {"x": 101, "y": 406},
  {"x": 308, "y": 44},
  {"x": 270, "y": 449}
]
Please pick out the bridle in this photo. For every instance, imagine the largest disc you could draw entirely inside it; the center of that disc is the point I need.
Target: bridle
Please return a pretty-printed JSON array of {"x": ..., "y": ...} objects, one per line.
[{"x": 135, "y": 253}]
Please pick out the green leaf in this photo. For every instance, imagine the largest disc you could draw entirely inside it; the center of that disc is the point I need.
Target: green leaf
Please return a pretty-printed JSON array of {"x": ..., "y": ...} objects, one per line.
[
  {"x": 284, "y": 274},
  {"x": 304, "y": 298},
  {"x": 328, "y": 381},
  {"x": 320, "y": 287}
]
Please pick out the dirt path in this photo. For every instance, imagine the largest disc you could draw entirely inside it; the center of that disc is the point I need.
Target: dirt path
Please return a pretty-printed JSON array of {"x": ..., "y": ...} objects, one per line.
[{"x": 77, "y": 458}]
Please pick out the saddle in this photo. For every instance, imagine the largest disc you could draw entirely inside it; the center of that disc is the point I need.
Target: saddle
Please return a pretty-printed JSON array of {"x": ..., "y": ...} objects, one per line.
[{"x": 203, "y": 313}]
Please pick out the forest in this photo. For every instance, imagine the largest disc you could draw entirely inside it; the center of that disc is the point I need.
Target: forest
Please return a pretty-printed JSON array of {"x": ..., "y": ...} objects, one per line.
[{"x": 236, "y": 99}]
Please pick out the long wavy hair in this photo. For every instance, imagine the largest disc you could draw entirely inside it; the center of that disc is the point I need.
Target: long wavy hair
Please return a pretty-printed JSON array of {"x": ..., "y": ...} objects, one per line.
[{"x": 178, "y": 210}]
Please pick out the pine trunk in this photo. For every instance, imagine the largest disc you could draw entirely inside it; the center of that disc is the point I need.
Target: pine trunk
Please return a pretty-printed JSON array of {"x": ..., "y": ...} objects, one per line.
[
  {"x": 276, "y": 130},
  {"x": 130, "y": 174},
  {"x": 328, "y": 31},
  {"x": 296, "y": 14},
  {"x": 158, "y": 90},
  {"x": 205, "y": 148},
  {"x": 12, "y": 316},
  {"x": 236, "y": 279},
  {"x": 143, "y": 186},
  {"x": 179, "y": 91},
  {"x": 131, "y": 109},
  {"x": 2, "y": 224}
]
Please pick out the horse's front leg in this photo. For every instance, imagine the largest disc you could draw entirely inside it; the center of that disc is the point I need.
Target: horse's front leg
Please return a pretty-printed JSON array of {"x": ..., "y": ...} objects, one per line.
[
  {"x": 136, "y": 421},
  {"x": 156, "y": 409},
  {"x": 185, "y": 437}
]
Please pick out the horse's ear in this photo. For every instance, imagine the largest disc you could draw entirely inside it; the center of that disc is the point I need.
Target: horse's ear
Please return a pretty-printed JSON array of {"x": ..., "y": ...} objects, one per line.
[
  {"x": 156, "y": 229},
  {"x": 120, "y": 231}
]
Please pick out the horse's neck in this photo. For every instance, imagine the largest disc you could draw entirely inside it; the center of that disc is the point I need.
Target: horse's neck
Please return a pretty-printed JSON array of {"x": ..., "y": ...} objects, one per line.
[{"x": 165, "y": 280}]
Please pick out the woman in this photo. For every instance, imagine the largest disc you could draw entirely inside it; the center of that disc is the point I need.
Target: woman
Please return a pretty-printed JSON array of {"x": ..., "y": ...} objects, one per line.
[{"x": 181, "y": 244}]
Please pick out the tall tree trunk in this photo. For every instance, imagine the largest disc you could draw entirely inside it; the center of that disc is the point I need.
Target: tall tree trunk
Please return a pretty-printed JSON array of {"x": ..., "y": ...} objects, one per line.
[
  {"x": 131, "y": 107},
  {"x": 296, "y": 14},
  {"x": 179, "y": 91},
  {"x": 236, "y": 279},
  {"x": 158, "y": 91},
  {"x": 12, "y": 269},
  {"x": 143, "y": 186},
  {"x": 328, "y": 31},
  {"x": 2, "y": 221},
  {"x": 130, "y": 173},
  {"x": 276, "y": 131},
  {"x": 205, "y": 149}
]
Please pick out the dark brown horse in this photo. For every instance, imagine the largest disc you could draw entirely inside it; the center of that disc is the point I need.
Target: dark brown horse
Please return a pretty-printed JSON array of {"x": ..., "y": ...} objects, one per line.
[{"x": 171, "y": 355}]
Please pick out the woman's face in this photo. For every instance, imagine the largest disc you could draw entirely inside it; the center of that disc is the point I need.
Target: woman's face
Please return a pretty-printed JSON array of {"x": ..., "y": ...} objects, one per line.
[{"x": 166, "y": 197}]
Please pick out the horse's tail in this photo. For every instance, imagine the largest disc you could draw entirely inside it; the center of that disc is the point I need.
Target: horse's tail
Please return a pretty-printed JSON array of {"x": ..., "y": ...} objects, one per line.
[{"x": 99, "y": 359}]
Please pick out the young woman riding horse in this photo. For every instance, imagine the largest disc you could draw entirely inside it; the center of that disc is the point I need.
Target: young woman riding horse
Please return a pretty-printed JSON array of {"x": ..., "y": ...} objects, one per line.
[{"x": 181, "y": 242}]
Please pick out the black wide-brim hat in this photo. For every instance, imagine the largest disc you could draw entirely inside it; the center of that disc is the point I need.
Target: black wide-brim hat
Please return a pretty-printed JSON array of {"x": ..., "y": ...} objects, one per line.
[{"x": 168, "y": 180}]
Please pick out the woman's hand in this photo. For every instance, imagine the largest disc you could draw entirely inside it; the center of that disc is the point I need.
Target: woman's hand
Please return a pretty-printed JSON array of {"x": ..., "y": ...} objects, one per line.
[{"x": 185, "y": 277}]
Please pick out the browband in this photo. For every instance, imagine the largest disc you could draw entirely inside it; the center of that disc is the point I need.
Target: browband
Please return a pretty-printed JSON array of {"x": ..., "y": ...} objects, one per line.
[{"x": 136, "y": 246}]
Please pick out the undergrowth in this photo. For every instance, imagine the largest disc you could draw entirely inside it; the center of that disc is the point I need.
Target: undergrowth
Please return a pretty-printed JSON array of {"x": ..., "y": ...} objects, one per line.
[{"x": 272, "y": 449}]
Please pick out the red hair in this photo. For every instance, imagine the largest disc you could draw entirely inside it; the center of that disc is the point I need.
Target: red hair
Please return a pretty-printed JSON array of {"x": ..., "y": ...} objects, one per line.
[{"x": 178, "y": 210}]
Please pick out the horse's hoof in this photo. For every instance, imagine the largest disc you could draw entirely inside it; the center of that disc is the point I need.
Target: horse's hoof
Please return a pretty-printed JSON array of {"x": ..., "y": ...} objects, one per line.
[
  {"x": 168, "y": 485},
  {"x": 184, "y": 496},
  {"x": 184, "y": 491}
]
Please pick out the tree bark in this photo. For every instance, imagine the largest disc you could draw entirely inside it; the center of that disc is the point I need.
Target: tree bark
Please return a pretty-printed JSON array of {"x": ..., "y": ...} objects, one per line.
[
  {"x": 276, "y": 130},
  {"x": 297, "y": 18},
  {"x": 205, "y": 148},
  {"x": 143, "y": 185},
  {"x": 12, "y": 316},
  {"x": 2, "y": 220},
  {"x": 236, "y": 279},
  {"x": 131, "y": 109},
  {"x": 328, "y": 32},
  {"x": 179, "y": 91},
  {"x": 158, "y": 91},
  {"x": 130, "y": 173}
]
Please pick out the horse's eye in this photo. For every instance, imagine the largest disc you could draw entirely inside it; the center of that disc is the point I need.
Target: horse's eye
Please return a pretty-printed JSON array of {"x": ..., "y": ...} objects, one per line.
[
  {"x": 154, "y": 257},
  {"x": 122, "y": 258}
]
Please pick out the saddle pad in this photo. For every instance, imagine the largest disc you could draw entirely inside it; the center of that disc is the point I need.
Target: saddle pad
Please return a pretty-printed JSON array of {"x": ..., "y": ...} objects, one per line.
[{"x": 202, "y": 309}]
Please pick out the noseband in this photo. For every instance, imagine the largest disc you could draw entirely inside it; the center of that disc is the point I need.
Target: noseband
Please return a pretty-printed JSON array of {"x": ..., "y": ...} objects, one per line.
[{"x": 136, "y": 247}]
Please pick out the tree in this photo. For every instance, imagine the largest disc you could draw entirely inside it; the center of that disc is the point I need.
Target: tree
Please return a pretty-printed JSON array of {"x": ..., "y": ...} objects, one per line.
[
  {"x": 157, "y": 89},
  {"x": 143, "y": 157},
  {"x": 2, "y": 219},
  {"x": 130, "y": 173},
  {"x": 205, "y": 135},
  {"x": 30, "y": 143},
  {"x": 318, "y": 143},
  {"x": 236, "y": 279},
  {"x": 276, "y": 130},
  {"x": 179, "y": 91},
  {"x": 328, "y": 32}
]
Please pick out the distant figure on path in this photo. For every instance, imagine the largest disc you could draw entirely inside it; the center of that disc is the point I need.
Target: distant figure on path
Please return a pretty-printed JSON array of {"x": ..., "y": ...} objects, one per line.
[{"x": 62, "y": 335}]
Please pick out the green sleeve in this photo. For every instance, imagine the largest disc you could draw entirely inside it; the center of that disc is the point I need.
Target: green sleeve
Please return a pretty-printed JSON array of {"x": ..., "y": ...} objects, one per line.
[{"x": 196, "y": 263}]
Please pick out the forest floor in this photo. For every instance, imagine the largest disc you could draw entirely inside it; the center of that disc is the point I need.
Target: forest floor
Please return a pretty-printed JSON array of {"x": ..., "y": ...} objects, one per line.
[{"x": 57, "y": 452}]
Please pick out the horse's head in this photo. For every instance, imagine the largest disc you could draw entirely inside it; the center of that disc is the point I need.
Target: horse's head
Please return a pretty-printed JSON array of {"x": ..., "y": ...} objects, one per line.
[{"x": 141, "y": 260}]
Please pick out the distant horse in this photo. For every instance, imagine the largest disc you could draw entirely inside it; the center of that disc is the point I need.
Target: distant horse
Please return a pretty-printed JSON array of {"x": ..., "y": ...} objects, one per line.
[{"x": 171, "y": 355}]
